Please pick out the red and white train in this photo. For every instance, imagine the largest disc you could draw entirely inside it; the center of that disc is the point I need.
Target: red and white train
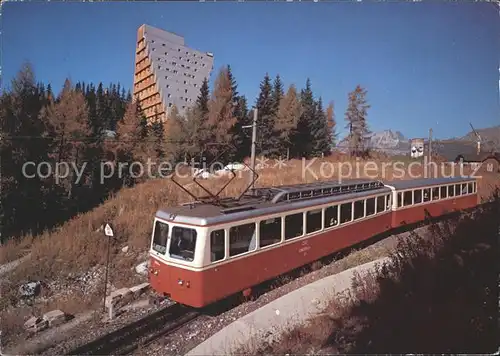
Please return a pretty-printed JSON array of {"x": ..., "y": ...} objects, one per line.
[{"x": 203, "y": 252}]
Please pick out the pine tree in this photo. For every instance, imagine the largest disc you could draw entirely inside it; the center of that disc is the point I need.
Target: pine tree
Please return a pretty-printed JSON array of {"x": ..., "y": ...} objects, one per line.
[
  {"x": 355, "y": 116},
  {"x": 332, "y": 124},
  {"x": 131, "y": 143},
  {"x": 196, "y": 124},
  {"x": 241, "y": 140},
  {"x": 278, "y": 93},
  {"x": 157, "y": 137},
  {"x": 242, "y": 136},
  {"x": 265, "y": 118},
  {"x": 286, "y": 124},
  {"x": 320, "y": 131},
  {"x": 19, "y": 117},
  {"x": 303, "y": 140},
  {"x": 203, "y": 98}
]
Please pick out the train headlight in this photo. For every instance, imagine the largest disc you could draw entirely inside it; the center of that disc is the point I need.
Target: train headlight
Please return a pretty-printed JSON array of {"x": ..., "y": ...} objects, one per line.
[
  {"x": 156, "y": 272},
  {"x": 180, "y": 282}
]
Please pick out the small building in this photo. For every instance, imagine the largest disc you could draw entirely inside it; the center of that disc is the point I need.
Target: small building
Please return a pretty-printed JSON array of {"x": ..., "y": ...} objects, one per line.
[
  {"x": 491, "y": 163},
  {"x": 417, "y": 147}
]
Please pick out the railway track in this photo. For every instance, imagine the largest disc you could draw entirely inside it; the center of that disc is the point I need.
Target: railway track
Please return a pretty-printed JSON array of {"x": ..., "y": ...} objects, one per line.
[{"x": 141, "y": 332}]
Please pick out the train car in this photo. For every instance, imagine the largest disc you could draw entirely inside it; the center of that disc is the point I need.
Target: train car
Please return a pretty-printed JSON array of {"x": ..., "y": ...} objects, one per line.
[
  {"x": 440, "y": 196},
  {"x": 203, "y": 252}
]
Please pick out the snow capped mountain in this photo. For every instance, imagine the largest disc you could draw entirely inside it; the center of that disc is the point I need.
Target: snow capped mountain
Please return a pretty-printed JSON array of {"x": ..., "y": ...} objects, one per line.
[{"x": 388, "y": 141}]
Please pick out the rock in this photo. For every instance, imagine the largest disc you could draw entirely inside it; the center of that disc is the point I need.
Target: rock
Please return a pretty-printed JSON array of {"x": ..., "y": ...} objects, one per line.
[
  {"x": 119, "y": 297},
  {"x": 139, "y": 289},
  {"x": 36, "y": 324},
  {"x": 31, "y": 289},
  {"x": 142, "y": 268},
  {"x": 54, "y": 317},
  {"x": 125, "y": 249}
]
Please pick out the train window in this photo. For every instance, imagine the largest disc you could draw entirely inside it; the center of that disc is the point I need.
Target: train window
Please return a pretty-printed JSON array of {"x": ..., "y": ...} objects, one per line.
[
  {"x": 451, "y": 190},
  {"x": 427, "y": 195},
  {"x": 313, "y": 221},
  {"x": 294, "y": 226},
  {"x": 443, "y": 192},
  {"x": 469, "y": 186},
  {"x": 388, "y": 202},
  {"x": 370, "y": 206},
  {"x": 464, "y": 188},
  {"x": 408, "y": 198},
  {"x": 474, "y": 187},
  {"x": 270, "y": 231},
  {"x": 380, "y": 204},
  {"x": 332, "y": 216},
  {"x": 400, "y": 200},
  {"x": 183, "y": 243},
  {"x": 359, "y": 209},
  {"x": 457, "y": 189},
  {"x": 435, "y": 193},
  {"x": 160, "y": 237},
  {"x": 345, "y": 213},
  {"x": 217, "y": 248},
  {"x": 417, "y": 196},
  {"x": 242, "y": 239}
]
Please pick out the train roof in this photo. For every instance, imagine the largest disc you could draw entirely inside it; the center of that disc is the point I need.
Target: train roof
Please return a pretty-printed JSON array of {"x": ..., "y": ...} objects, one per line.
[
  {"x": 277, "y": 199},
  {"x": 425, "y": 182},
  {"x": 271, "y": 200}
]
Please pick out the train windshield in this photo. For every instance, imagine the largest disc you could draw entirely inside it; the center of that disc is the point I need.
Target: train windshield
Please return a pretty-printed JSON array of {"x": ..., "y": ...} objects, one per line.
[
  {"x": 160, "y": 237},
  {"x": 183, "y": 243}
]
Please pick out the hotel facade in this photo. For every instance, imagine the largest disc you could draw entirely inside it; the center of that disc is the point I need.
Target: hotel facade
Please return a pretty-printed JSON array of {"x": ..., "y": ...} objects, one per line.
[{"x": 167, "y": 72}]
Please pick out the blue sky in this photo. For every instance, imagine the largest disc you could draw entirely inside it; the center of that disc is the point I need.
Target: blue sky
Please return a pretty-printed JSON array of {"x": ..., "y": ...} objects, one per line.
[{"x": 423, "y": 65}]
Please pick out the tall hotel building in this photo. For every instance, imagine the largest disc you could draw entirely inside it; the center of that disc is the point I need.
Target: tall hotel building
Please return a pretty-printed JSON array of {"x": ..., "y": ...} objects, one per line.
[{"x": 167, "y": 72}]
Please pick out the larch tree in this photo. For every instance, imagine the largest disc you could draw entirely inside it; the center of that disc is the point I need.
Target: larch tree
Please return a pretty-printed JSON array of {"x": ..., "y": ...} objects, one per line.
[
  {"x": 356, "y": 114},
  {"x": 68, "y": 119},
  {"x": 331, "y": 123},
  {"x": 130, "y": 143},
  {"x": 289, "y": 112},
  {"x": 174, "y": 138},
  {"x": 221, "y": 118}
]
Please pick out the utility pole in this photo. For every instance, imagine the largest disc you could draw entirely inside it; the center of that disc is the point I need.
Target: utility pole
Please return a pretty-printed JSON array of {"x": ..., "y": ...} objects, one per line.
[
  {"x": 108, "y": 231},
  {"x": 430, "y": 145},
  {"x": 254, "y": 139}
]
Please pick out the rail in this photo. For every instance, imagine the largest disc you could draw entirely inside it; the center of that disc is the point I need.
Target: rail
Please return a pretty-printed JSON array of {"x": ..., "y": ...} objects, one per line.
[{"x": 143, "y": 331}]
